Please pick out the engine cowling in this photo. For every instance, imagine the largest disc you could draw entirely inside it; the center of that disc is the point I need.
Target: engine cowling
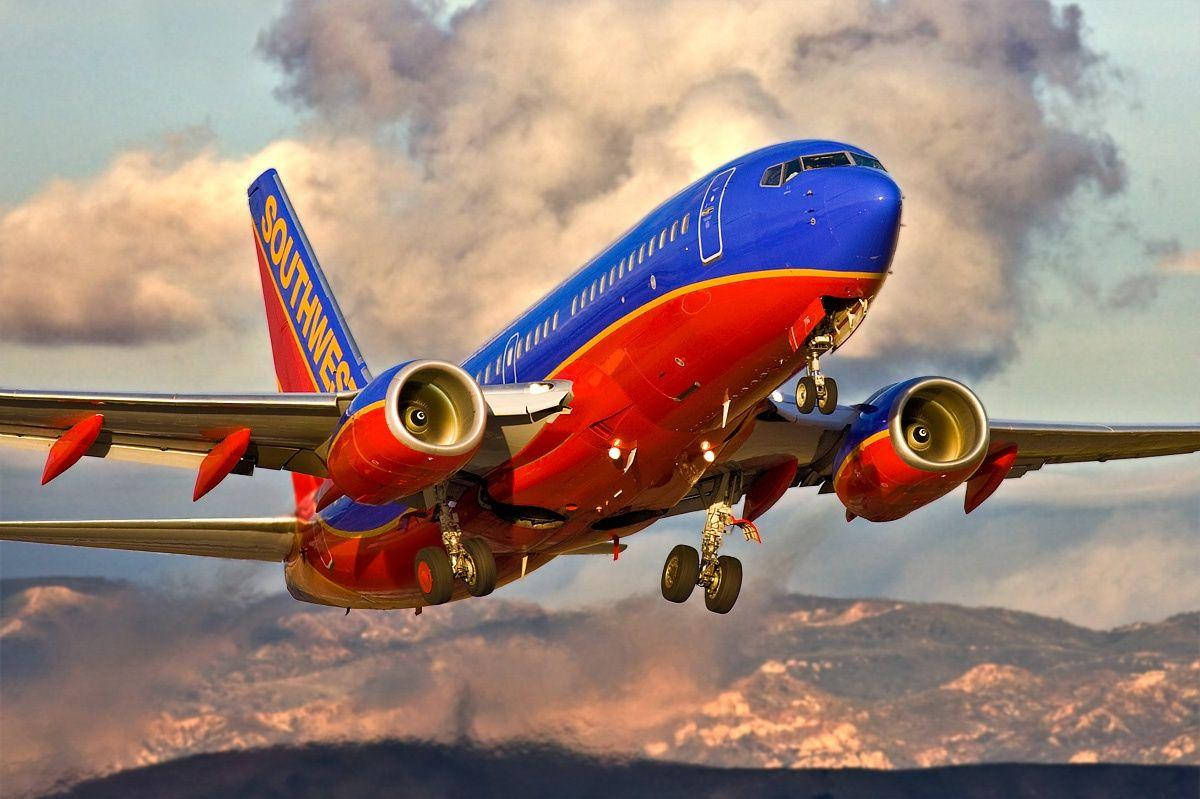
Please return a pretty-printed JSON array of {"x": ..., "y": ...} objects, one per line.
[
  {"x": 914, "y": 442},
  {"x": 410, "y": 428}
]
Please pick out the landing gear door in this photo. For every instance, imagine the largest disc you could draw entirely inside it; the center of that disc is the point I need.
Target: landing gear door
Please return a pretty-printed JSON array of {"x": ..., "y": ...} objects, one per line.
[
  {"x": 712, "y": 246},
  {"x": 508, "y": 368}
]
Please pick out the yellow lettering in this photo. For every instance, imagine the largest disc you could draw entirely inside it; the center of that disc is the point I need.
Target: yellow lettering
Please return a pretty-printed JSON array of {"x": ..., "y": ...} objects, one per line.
[
  {"x": 286, "y": 272},
  {"x": 344, "y": 381},
  {"x": 329, "y": 365},
  {"x": 319, "y": 328},
  {"x": 310, "y": 307},
  {"x": 287, "y": 248},
  {"x": 268, "y": 217},
  {"x": 278, "y": 237},
  {"x": 301, "y": 279}
]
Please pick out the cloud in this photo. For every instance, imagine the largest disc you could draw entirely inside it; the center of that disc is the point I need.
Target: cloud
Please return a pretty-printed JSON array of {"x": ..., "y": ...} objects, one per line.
[
  {"x": 452, "y": 172},
  {"x": 1180, "y": 261}
]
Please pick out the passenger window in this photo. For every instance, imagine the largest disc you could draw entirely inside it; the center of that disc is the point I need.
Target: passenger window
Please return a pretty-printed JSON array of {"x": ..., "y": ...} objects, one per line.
[
  {"x": 621, "y": 269},
  {"x": 498, "y": 357},
  {"x": 683, "y": 227},
  {"x": 545, "y": 328},
  {"x": 631, "y": 262},
  {"x": 612, "y": 276},
  {"x": 602, "y": 284},
  {"x": 662, "y": 238},
  {"x": 791, "y": 169},
  {"x": 529, "y": 340},
  {"x": 574, "y": 305},
  {"x": 650, "y": 248},
  {"x": 641, "y": 253},
  {"x": 674, "y": 229},
  {"x": 554, "y": 321},
  {"x": 487, "y": 373},
  {"x": 537, "y": 335},
  {"x": 773, "y": 176},
  {"x": 593, "y": 296},
  {"x": 508, "y": 361}
]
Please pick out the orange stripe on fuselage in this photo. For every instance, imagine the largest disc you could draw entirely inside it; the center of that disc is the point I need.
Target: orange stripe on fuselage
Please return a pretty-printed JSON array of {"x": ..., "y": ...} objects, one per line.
[{"x": 741, "y": 277}]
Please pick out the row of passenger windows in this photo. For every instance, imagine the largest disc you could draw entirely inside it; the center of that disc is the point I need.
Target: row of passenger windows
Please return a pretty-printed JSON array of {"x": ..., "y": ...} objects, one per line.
[
  {"x": 606, "y": 280},
  {"x": 625, "y": 266},
  {"x": 534, "y": 337},
  {"x": 781, "y": 173}
]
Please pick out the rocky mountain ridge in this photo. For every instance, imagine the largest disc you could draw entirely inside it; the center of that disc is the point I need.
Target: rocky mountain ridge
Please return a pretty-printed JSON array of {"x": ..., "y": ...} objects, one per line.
[{"x": 97, "y": 676}]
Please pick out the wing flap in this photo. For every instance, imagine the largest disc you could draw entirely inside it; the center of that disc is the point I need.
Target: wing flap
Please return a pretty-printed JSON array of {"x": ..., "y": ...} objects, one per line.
[{"x": 268, "y": 539}]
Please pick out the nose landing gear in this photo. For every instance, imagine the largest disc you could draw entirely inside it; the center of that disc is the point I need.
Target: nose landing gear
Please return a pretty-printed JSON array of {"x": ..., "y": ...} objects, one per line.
[
  {"x": 815, "y": 389},
  {"x": 720, "y": 576},
  {"x": 470, "y": 561}
]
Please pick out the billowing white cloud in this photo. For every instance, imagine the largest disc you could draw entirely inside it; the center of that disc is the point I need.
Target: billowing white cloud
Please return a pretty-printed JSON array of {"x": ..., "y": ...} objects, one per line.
[{"x": 452, "y": 173}]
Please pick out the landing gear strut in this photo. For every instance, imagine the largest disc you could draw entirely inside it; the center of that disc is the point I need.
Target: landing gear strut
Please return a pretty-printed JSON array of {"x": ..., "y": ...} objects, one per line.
[
  {"x": 815, "y": 389},
  {"x": 469, "y": 560},
  {"x": 720, "y": 576}
]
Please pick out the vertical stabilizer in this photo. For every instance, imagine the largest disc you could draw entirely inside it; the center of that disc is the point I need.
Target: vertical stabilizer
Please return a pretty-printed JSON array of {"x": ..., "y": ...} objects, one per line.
[{"x": 310, "y": 340}]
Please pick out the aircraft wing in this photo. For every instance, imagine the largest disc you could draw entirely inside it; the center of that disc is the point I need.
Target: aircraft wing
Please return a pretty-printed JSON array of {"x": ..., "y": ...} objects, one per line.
[
  {"x": 245, "y": 539},
  {"x": 287, "y": 431},
  {"x": 781, "y": 434}
]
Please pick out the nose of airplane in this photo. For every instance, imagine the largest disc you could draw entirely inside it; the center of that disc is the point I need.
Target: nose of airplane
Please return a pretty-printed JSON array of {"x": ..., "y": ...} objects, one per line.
[{"x": 863, "y": 214}]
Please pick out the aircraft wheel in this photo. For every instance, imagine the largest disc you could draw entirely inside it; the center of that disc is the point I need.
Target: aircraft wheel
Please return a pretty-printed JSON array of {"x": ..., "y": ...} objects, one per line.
[
  {"x": 722, "y": 593},
  {"x": 806, "y": 394},
  {"x": 480, "y": 555},
  {"x": 680, "y": 573},
  {"x": 828, "y": 403},
  {"x": 435, "y": 577}
]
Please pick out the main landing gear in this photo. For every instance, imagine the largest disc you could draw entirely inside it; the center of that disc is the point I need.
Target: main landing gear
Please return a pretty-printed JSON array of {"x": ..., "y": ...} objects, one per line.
[
  {"x": 815, "y": 389},
  {"x": 470, "y": 561},
  {"x": 720, "y": 576}
]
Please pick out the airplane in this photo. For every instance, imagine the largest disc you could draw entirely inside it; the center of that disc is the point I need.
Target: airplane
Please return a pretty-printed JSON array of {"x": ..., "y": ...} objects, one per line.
[{"x": 645, "y": 385}]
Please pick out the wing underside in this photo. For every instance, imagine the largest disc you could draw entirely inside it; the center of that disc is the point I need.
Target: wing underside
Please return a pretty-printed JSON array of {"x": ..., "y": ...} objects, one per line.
[{"x": 271, "y": 539}]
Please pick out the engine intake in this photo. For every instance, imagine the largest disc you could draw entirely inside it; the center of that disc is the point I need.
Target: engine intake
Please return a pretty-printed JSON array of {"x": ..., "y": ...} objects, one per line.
[
  {"x": 412, "y": 427},
  {"x": 917, "y": 441}
]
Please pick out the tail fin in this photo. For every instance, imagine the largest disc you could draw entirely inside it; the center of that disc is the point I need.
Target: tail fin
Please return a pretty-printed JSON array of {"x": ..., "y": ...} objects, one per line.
[{"x": 310, "y": 341}]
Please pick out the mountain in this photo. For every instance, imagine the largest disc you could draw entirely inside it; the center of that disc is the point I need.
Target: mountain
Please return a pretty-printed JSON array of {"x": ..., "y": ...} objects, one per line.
[
  {"x": 350, "y": 771},
  {"x": 98, "y": 676}
]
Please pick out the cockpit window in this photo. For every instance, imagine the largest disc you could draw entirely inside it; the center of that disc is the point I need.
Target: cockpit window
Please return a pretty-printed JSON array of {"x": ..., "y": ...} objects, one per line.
[
  {"x": 780, "y": 174},
  {"x": 791, "y": 169},
  {"x": 866, "y": 160},
  {"x": 826, "y": 160}
]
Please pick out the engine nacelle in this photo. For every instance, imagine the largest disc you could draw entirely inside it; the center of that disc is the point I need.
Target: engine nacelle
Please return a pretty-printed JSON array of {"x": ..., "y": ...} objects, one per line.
[
  {"x": 916, "y": 441},
  {"x": 410, "y": 428}
]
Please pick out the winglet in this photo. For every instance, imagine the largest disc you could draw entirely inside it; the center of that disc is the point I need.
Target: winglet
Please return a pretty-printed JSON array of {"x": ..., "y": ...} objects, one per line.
[
  {"x": 218, "y": 463},
  {"x": 71, "y": 446}
]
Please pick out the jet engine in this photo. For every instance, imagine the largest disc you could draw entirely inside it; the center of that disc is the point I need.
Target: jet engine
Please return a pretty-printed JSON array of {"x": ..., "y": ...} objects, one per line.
[
  {"x": 410, "y": 428},
  {"x": 912, "y": 443}
]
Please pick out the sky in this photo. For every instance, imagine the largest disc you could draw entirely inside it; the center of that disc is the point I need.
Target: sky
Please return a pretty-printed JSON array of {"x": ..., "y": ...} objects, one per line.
[{"x": 451, "y": 168}]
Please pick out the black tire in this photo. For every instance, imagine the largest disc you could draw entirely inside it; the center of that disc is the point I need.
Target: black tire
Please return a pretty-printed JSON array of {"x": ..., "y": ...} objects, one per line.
[
  {"x": 806, "y": 394},
  {"x": 435, "y": 578},
  {"x": 828, "y": 403},
  {"x": 485, "y": 567},
  {"x": 721, "y": 596},
  {"x": 680, "y": 573}
]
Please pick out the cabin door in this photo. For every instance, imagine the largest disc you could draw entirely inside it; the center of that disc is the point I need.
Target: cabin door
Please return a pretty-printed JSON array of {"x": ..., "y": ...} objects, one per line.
[
  {"x": 712, "y": 245},
  {"x": 509, "y": 366}
]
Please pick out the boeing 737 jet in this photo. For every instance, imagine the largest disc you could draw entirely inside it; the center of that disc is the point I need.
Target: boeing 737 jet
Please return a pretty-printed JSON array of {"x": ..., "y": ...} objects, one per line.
[{"x": 645, "y": 385}]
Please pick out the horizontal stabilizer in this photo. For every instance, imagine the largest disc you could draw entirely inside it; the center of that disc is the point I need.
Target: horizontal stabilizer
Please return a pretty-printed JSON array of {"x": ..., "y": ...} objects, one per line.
[{"x": 268, "y": 539}]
